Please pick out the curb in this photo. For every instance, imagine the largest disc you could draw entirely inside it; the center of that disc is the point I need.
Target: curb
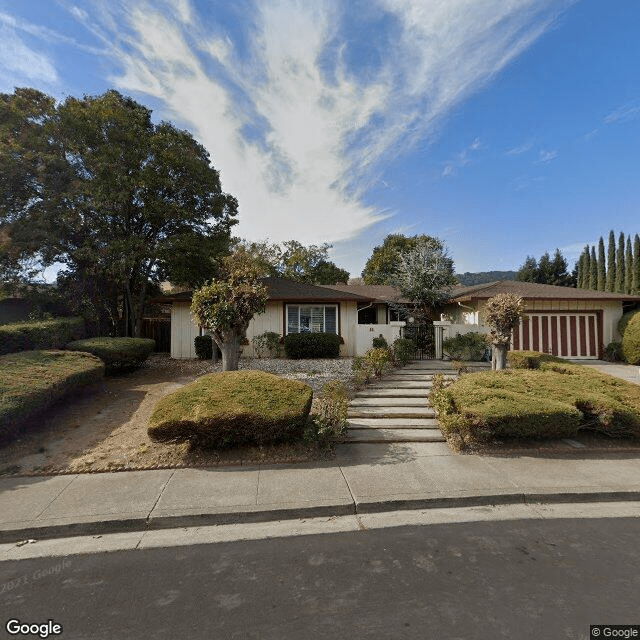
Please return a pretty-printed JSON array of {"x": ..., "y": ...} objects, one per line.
[{"x": 151, "y": 523}]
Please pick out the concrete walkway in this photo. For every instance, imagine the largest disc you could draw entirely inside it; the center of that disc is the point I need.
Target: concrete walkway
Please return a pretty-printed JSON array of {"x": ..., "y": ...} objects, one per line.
[{"x": 396, "y": 408}]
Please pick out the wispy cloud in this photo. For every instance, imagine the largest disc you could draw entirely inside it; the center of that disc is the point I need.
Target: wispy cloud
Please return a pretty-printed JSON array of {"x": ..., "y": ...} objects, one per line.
[
  {"x": 525, "y": 181},
  {"x": 298, "y": 132},
  {"x": 588, "y": 137},
  {"x": 625, "y": 113},
  {"x": 462, "y": 159},
  {"x": 546, "y": 155},
  {"x": 523, "y": 148},
  {"x": 19, "y": 63}
]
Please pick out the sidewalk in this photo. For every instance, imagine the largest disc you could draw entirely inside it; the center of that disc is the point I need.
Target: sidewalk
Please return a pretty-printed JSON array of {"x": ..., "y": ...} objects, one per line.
[{"x": 364, "y": 478}]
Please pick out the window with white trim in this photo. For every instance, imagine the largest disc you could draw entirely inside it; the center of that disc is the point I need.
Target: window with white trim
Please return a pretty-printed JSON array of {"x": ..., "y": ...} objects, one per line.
[{"x": 312, "y": 318}]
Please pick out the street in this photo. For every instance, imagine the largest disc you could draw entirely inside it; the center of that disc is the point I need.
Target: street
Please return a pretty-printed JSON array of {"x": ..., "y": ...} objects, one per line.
[{"x": 503, "y": 579}]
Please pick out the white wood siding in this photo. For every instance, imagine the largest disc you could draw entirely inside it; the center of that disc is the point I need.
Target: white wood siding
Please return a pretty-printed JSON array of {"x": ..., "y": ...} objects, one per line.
[
  {"x": 183, "y": 331},
  {"x": 269, "y": 320}
]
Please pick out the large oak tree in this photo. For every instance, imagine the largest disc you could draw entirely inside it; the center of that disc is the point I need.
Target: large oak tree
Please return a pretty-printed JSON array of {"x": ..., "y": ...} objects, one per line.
[{"x": 118, "y": 200}]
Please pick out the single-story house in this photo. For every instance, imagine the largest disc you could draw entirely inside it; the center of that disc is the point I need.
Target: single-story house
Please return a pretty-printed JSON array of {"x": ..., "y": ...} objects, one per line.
[
  {"x": 563, "y": 321},
  {"x": 356, "y": 313}
]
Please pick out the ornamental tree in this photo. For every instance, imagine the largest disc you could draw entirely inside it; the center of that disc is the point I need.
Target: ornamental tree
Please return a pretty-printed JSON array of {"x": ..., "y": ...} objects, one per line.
[
  {"x": 502, "y": 313},
  {"x": 225, "y": 306}
]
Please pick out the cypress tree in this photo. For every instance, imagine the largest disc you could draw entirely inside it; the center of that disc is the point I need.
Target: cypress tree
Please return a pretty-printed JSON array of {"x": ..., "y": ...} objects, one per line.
[
  {"x": 593, "y": 270},
  {"x": 619, "y": 284},
  {"x": 635, "y": 279},
  {"x": 628, "y": 267},
  {"x": 602, "y": 272},
  {"x": 611, "y": 263},
  {"x": 579, "y": 270},
  {"x": 586, "y": 268}
]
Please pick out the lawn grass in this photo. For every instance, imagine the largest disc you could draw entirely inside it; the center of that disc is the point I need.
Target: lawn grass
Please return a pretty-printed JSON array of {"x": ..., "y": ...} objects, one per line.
[
  {"x": 554, "y": 399},
  {"x": 31, "y": 381},
  {"x": 233, "y": 408}
]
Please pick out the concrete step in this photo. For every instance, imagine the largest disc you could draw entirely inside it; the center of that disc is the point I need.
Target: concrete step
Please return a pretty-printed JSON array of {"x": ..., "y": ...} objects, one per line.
[
  {"x": 393, "y": 423},
  {"x": 415, "y": 377},
  {"x": 393, "y": 435},
  {"x": 392, "y": 392},
  {"x": 391, "y": 412},
  {"x": 400, "y": 384},
  {"x": 387, "y": 401}
]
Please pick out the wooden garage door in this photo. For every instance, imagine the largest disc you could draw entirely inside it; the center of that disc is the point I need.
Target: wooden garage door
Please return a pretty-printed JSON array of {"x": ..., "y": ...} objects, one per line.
[{"x": 568, "y": 335}]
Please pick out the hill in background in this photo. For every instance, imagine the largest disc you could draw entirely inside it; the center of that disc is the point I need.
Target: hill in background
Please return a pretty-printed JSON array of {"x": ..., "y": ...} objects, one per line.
[{"x": 481, "y": 277}]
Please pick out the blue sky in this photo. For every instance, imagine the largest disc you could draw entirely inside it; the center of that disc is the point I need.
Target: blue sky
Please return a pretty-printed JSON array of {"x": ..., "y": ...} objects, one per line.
[{"x": 504, "y": 127}]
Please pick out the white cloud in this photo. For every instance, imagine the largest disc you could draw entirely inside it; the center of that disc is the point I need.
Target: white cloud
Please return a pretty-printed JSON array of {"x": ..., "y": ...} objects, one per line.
[
  {"x": 523, "y": 148},
  {"x": 321, "y": 134},
  {"x": 462, "y": 159},
  {"x": 625, "y": 113},
  {"x": 20, "y": 63},
  {"x": 546, "y": 155}
]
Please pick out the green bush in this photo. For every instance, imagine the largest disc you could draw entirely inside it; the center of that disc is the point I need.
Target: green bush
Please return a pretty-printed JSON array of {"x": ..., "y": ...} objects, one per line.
[
  {"x": 233, "y": 408},
  {"x": 631, "y": 340},
  {"x": 118, "y": 354},
  {"x": 329, "y": 420},
  {"x": 378, "y": 360},
  {"x": 466, "y": 346},
  {"x": 624, "y": 321},
  {"x": 41, "y": 334},
  {"x": 312, "y": 345},
  {"x": 521, "y": 359},
  {"x": 31, "y": 381},
  {"x": 613, "y": 352},
  {"x": 552, "y": 401},
  {"x": 380, "y": 342},
  {"x": 267, "y": 344},
  {"x": 404, "y": 350},
  {"x": 203, "y": 346}
]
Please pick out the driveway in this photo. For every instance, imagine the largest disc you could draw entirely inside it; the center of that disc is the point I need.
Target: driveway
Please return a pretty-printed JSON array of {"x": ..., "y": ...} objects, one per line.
[{"x": 627, "y": 372}]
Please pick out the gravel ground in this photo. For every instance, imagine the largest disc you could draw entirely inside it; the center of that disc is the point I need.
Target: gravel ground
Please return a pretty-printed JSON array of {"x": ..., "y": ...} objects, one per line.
[{"x": 314, "y": 372}]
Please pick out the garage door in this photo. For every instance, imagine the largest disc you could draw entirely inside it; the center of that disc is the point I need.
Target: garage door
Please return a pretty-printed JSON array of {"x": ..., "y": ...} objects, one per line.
[{"x": 568, "y": 335}]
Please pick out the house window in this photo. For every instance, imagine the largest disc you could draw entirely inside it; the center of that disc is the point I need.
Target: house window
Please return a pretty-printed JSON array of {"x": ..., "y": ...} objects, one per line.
[{"x": 312, "y": 319}]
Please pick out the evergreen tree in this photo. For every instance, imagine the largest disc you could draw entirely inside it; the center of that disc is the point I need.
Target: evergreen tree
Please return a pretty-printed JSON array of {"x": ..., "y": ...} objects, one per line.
[
  {"x": 602, "y": 273},
  {"x": 586, "y": 267},
  {"x": 528, "y": 272},
  {"x": 611, "y": 263},
  {"x": 628, "y": 267},
  {"x": 635, "y": 279},
  {"x": 619, "y": 284},
  {"x": 545, "y": 270},
  {"x": 593, "y": 270}
]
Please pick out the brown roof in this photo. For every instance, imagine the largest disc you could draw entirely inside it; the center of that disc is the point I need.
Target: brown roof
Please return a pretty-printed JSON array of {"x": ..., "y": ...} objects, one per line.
[
  {"x": 533, "y": 291},
  {"x": 285, "y": 289},
  {"x": 375, "y": 292}
]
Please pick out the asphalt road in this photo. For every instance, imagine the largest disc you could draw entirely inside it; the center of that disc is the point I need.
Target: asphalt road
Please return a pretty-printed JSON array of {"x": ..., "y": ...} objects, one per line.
[{"x": 512, "y": 579}]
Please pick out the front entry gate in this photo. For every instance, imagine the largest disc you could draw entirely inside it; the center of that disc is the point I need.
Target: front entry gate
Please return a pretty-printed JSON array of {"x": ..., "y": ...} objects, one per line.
[{"x": 424, "y": 336}]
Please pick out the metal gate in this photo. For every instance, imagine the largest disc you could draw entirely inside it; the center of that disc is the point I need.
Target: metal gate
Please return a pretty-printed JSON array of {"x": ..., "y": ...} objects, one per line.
[{"x": 424, "y": 336}]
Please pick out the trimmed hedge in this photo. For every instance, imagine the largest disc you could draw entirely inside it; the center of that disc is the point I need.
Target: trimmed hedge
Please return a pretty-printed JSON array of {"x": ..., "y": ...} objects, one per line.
[
  {"x": 552, "y": 401},
  {"x": 118, "y": 354},
  {"x": 233, "y": 408},
  {"x": 203, "y": 346},
  {"x": 631, "y": 340},
  {"x": 43, "y": 334},
  {"x": 624, "y": 321},
  {"x": 312, "y": 345},
  {"x": 31, "y": 381},
  {"x": 521, "y": 359}
]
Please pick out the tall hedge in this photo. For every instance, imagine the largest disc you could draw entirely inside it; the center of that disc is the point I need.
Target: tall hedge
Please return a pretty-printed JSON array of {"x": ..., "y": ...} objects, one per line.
[
  {"x": 631, "y": 340},
  {"x": 43, "y": 334}
]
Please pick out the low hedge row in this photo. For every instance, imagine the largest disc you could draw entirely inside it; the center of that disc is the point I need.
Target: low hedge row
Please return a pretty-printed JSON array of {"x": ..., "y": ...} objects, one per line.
[
  {"x": 31, "y": 381},
  {"x": 43, "y": 334},
  {"x": 312, "y": 345},
  {"x": 233, "y": 408},
  {"x": 546, "y": 397},
  {"x": 118, "y": 354}
]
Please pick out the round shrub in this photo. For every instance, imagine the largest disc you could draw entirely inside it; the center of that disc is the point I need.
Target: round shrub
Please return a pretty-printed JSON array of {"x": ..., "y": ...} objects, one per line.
[
  {"x": 624, "y": 321},
  {"x": 466, "y": 346},
  {"x": 380, "y": 342},
  {"x": 404, "y": 350},
  {"x": 312, "y": 345},
  {"x": 118, "y": 354},
  {"x": 631, "y": 340},
  {"x": 204, "y": 347},
  {"x": 613, "y": 352},
  {"x": 233, "y": 408}
]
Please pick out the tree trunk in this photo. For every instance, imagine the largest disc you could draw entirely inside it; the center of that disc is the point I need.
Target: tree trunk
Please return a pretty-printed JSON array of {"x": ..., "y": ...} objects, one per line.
[
  {"x": 499, "y": 357},
  {"x": 229, "y": 344}
]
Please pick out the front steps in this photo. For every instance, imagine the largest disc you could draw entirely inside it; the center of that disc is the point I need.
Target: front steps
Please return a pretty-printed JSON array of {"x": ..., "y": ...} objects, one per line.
[{"x": 396, "y": 408}]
